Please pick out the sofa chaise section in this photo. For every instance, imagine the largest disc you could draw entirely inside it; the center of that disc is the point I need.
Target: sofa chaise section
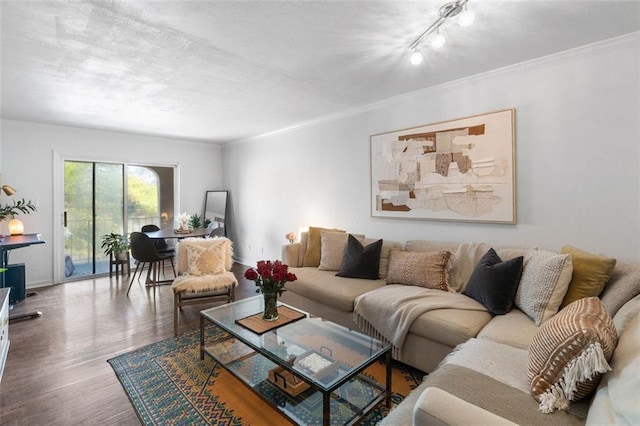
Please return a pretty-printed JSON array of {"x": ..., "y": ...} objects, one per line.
[
  {"x": 324, "y": 294},
  {"x": 321, "y": 292}
]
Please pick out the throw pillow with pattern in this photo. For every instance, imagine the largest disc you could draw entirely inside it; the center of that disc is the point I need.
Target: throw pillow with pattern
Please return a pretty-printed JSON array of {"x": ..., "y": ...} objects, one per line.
[
  {"x": 204, "y": 260},
  {"x": 428, "y": 269},
  {"x": 544, "y": 282},
  {"x": 569, "y": 354}
]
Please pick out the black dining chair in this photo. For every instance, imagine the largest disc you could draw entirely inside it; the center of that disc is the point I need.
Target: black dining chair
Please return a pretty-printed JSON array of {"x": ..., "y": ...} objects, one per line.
[
  {"x": 144, "y": 251},
  {"x": 217, "y": 232},
  {"x": 159, "y": 243}
]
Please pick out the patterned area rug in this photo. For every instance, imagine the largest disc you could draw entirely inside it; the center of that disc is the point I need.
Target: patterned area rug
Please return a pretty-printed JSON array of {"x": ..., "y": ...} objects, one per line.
[{"x": 168, "y": 384}]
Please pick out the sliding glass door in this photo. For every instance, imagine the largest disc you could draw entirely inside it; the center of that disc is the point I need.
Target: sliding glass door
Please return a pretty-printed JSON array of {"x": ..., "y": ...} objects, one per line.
[
  {"x": 94, "y": 206},
  {"x": 101, "y": 198}
]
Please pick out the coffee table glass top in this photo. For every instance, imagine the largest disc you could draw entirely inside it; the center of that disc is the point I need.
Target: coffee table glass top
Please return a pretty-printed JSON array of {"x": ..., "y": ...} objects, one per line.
[{"x": 319, "y": 351}]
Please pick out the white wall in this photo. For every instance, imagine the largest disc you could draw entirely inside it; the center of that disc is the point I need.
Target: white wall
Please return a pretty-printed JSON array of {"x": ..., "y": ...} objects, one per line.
[
  {"x": 27, "y": 164},
  {"x": 577, "y": 149}
]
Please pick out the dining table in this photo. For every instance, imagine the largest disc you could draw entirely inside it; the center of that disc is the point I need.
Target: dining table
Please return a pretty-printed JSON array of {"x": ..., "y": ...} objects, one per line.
[{"x": 169, "y": 233}]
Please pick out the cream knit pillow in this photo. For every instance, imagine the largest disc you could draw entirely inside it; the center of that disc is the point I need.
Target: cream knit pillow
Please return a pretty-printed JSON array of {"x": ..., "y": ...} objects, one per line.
[{"x": 544, "y": 282}]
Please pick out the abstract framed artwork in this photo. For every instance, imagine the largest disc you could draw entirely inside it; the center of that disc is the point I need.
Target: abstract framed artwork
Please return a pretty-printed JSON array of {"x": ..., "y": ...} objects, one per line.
[{"x": 458, "y": 170}]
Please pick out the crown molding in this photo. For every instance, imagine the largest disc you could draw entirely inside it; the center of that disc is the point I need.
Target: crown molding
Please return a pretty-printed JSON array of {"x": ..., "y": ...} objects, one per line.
[{"x": 619, "y": 42}]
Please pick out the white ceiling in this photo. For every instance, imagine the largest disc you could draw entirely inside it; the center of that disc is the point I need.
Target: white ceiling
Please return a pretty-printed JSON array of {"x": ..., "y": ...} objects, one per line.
[{"x": 226, "y": 70}]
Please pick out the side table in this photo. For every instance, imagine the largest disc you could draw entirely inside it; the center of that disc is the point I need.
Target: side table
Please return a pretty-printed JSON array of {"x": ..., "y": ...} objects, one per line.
[{"x": 114, "y": 261}]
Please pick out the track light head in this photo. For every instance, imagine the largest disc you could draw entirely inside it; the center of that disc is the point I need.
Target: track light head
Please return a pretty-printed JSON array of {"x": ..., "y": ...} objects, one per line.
[
  {"x": 438, "y": 41},
  {"x": 466, "y": 17},
  {"x": 416, "y": 58}
]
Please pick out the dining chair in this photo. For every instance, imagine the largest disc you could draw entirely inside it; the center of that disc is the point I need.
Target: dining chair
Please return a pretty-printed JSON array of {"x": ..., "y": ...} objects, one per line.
[
  {"x": 217, "y": 232},
  {"x": 159, "y": 243},
  {"x": 204, "y": 274},
  {"x": 144, "y": 251}
]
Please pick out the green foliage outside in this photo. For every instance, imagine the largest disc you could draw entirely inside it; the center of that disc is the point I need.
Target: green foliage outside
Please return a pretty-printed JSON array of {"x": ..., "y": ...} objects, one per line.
[
  {"x": 79, "y": 176},
  {"x": 143, "y": 195}
]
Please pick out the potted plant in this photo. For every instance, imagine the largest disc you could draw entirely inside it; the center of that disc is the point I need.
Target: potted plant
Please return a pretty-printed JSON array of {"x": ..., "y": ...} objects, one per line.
[
  {"x": 195, "y": 222},
  {"x": 12, "y": 210},
  {"x": 20, "y": 206},
  {"x": 116, "y": 244}
]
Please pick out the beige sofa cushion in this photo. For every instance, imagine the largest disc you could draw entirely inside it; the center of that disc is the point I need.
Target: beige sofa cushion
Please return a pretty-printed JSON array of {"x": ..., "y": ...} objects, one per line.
[
  {"x": 616, "y": 401},
  {"x": 304, "y": 242},
  {"x": 290, "y": 254},
  {"x": 510, "y": 253},
  {"x": 622, "y": 287},
  {"x": 387, "y": 246},
  {"x": 626, "y": 313},
  {"x": 424, "y": 245},
  {"x": 496, "y": 397},
  {"x": 325, "y": 286},
  {"x": 515, "y": 328},
  {"x": 450, "y": 326},
  {"x": 437, "y": 407}
]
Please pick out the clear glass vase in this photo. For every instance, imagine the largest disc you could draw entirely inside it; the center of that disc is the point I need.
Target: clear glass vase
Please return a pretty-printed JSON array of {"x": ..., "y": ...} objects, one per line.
[{"x": 270, "y": 306}]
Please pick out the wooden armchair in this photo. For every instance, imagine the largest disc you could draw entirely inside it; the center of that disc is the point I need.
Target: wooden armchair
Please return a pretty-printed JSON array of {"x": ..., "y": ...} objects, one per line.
[{"x": 203, "y": 274}]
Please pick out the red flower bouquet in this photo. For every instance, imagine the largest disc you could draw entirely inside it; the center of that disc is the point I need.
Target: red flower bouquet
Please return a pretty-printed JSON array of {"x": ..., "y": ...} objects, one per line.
[{"x": 270, "y": 276}]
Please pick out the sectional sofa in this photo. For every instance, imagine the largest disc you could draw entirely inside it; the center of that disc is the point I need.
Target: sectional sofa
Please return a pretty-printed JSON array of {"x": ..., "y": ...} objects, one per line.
[{"x": 468, "y": 344}]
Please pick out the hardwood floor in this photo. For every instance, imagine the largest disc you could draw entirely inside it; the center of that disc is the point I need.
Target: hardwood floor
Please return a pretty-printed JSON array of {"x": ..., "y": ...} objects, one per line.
[{"x": 56, "y": 372}]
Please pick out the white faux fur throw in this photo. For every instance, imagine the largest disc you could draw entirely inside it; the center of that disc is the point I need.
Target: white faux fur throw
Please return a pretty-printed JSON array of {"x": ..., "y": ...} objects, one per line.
[
  {"x": 210, "y": 282},
  {"x": 203, "y": 283},
  {"x": 388, "y": 312}
]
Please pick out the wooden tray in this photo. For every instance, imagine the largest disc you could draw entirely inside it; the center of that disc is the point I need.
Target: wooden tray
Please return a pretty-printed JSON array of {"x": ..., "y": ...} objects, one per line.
[
  {"x": 287, "y": 381},
  {"x": 256, "y": 324}
]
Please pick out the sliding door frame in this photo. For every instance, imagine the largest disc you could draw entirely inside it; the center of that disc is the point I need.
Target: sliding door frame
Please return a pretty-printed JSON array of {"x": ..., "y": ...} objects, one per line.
[{"x": 59, "y": 195}]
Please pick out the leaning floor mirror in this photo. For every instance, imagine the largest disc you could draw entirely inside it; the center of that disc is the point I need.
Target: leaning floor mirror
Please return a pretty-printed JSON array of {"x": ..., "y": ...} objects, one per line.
[{"x": 215, "y": 209}]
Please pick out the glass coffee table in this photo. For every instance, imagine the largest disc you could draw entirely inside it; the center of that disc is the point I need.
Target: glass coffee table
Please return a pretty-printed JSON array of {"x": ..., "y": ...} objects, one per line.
[{"x": 309, "y": 369}]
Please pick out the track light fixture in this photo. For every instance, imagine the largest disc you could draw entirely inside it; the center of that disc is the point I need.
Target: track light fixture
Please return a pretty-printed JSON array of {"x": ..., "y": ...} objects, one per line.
[{"x": 447, "y": 10}]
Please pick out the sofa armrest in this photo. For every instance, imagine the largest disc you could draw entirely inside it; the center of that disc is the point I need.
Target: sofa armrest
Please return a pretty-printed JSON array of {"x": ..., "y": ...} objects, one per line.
[
  {"x": 438, "y": 407},
  {"x": 290, "y": 254}
]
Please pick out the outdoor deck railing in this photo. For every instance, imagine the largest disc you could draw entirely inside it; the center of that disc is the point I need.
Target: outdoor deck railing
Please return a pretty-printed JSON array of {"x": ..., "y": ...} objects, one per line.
[{"x": 78, "y": 239}]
